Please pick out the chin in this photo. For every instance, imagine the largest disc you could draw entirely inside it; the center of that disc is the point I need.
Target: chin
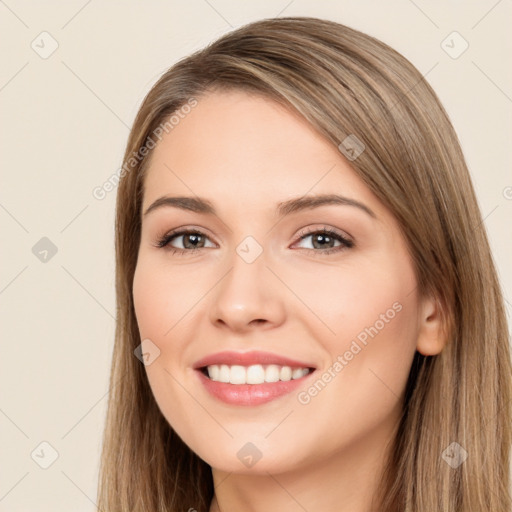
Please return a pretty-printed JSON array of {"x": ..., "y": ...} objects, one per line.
[{"x": 249, "y": 458}]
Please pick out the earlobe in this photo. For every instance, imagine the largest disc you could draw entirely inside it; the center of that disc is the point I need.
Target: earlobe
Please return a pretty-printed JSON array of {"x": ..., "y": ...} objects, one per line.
[{"x": 432, "y": 335}]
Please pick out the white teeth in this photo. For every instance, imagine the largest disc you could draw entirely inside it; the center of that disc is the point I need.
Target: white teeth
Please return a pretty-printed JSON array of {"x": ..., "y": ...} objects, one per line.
[
  {"x": 213, "y": 372},
  {"x": 297, "y": 373},
  {"x": 272, "y": 373},
  {"x": 224, "y": 373},
  {"x": 285, "y": 373},
  {"x": 237, "y": 375},
  {"x": 254, "y": 374}
]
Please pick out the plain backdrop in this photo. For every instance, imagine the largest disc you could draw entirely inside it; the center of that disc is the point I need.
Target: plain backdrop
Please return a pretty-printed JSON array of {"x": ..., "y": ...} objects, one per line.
[{"x": 72, "y": 77}]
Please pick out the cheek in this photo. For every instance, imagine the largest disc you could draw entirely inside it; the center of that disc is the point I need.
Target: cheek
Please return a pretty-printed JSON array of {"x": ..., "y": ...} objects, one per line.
[
  {"x": 162, "y": 298},
  {"x": 149, "y": 302},
  {"x": 349, "y": 298},
  {"x": 368, "y": 313},
  {"x": 161, "y": 301},
  {"x": 374, "y": 319},
  {"x": 376, "y": 325}
]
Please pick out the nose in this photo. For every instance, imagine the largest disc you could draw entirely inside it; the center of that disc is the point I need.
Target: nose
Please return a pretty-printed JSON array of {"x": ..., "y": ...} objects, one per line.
[{"x": 249, "y": 296}]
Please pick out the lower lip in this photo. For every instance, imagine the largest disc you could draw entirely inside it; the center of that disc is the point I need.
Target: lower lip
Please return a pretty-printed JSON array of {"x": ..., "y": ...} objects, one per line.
[{"x": 250, "y": 394}]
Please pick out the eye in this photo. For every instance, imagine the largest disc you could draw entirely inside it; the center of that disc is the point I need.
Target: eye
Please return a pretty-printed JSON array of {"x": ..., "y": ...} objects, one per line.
[
  {"x": 326, "y": 239},
  {"x": 192, "y": 240}
]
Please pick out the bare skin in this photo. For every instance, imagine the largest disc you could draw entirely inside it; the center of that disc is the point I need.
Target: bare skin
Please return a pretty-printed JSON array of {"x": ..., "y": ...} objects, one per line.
[{"x": 319, "y": 451}]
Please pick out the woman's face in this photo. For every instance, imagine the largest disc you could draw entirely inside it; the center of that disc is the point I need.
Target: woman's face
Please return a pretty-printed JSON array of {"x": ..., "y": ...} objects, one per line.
[{"x": 260, "y": 274}]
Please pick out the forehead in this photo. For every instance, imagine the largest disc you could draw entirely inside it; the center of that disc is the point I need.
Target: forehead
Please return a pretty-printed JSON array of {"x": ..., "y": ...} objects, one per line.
[{"x": 238, "y": 146}]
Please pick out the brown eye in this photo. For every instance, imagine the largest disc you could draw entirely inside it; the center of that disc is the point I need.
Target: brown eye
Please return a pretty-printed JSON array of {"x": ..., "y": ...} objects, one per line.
[
  {"x": 190, "y": 241},
  {"x": 327, "y": 240}
]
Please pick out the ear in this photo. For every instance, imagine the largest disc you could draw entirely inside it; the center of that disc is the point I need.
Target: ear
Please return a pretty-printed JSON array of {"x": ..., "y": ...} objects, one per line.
[{"x": 432, "y": 333}]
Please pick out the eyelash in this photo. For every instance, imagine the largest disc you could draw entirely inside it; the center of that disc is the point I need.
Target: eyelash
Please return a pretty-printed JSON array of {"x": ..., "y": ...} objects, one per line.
[{"x": 163, "y": 243}]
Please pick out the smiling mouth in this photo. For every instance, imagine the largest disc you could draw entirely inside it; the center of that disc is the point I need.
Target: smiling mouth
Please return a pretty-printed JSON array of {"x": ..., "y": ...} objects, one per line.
[{"x": 254, "y": 374}]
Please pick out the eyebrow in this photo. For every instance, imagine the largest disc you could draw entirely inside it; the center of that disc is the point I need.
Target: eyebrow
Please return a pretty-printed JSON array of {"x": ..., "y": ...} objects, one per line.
[{"x": 201, "y": 205}]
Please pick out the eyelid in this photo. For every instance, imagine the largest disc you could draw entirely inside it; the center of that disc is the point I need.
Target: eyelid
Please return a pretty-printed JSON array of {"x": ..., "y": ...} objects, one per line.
[
  {"x": 327, "y": 229},
  {"x": 181, "y": 231},
  {"x": 346, "y": 240}
]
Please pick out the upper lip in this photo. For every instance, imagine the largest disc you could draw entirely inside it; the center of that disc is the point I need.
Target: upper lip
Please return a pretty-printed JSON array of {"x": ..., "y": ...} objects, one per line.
[{"x": 249, "y": 358}]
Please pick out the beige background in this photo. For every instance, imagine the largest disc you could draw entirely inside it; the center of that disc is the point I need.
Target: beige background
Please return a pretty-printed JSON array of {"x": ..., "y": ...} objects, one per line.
[{"x": 65, "y": 120}]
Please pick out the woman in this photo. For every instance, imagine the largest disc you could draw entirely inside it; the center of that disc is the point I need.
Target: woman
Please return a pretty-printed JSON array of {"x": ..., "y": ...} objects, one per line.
[{"x": 309, "y": 316}]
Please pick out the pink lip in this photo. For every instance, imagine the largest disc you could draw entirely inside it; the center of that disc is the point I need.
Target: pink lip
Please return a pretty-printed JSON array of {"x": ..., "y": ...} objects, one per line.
[
  {"x": 248, "y": 359},
  {"x": 249, "y": 394}
]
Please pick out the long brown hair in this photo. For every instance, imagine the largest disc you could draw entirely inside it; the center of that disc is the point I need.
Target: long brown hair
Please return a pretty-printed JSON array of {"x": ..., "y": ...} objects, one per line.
[{"x": 343, "y": 82}]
